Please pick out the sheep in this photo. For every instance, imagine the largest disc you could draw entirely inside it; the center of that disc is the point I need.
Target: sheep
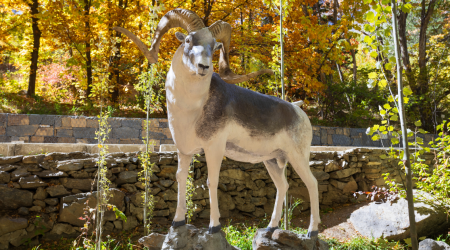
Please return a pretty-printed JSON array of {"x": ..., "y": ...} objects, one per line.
[{"x": 208, "y": 113}]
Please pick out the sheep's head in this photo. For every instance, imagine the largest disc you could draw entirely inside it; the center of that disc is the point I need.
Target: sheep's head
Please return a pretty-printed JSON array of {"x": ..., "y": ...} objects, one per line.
[
  {"x": 199, "y": 44},
  {"x": 198, "y": 48}
]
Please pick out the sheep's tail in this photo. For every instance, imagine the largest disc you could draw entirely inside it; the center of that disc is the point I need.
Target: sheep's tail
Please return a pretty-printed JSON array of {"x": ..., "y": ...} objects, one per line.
[{"x": 299, "y": 103}]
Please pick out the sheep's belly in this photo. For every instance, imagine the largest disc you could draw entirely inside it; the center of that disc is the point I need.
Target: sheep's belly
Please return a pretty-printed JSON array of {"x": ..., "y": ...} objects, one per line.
[{"x": 237, "y": 153}]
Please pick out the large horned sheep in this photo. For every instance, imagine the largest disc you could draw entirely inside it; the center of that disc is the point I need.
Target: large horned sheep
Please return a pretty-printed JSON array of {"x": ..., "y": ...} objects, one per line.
[{"x": 207, "y": 113}]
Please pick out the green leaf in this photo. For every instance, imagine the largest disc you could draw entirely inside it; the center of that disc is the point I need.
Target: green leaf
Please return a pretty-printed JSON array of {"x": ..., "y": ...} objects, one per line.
[
  {"x": 383, "y": 157},
  {"x": 395, "y": 110},
  {"x": 373, "y": 75},
  {"x": 370, "y": 17},
  {"x": 368, "y": 40},
  {"x": 419, "y": 140},
  {"x": 422, "y": 131},
  {"x": 119, "y": 214},
  {"x": 390, "y": 99},
  {"x": 394, "y": 141},
  {"x": 387, "y": 106},
  {"x": 369, "y": 28},
  {"x": 382, "y": 83},
  {"x": 391, "y": 128},
  {"x": 418, "y": 123},
  {"x": 388, "y": 66},
  {"x": 367, "y": 1},
  {"x": 395, "y": 134},
  {"x": 382, "y": 128},
  {"x": 383, "y": 122},
  {"x": 374, "y": 54},
  {"x": 382, "y": 112},
  {"x": 375, "y": 127},
  {"x": 406, "y": 8},
  {"x": 407, "y": 91},
  {"x": 394, "y": 117},
  {"x": 375, "y": 137}
]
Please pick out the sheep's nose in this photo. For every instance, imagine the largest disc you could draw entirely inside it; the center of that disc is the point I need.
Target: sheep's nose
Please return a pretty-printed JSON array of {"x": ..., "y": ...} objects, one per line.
[{"x": 203, "y": 66}]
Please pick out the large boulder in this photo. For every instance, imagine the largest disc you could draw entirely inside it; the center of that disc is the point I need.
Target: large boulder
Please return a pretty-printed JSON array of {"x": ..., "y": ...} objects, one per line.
[
  {"x": 285, "y": 240},
  {"x": 429, "y": 244},
  {"x": 11, "y": 198},
  {"x": 188, "y": 237},
  {"x": 391, "y": 221},
  {"x": 153, "y": 241},
  {"x": 72, "y": 206}
]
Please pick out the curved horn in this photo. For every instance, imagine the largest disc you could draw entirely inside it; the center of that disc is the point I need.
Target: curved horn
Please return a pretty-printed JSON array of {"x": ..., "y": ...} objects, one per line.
[
  {"x": 222, "y": 30},
  {"x": 185, "y": 19}
]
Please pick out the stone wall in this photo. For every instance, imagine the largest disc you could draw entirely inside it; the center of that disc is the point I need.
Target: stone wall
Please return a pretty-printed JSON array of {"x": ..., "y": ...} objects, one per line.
[
  {"x": 56, "y": 186},
  {"x": 71, "y": 129}
]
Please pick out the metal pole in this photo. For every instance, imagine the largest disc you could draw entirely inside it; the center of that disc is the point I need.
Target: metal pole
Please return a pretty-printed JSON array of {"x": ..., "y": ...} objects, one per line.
[
  {"x": 409, "y": 193},
  {"x": 286, "y": 210}
]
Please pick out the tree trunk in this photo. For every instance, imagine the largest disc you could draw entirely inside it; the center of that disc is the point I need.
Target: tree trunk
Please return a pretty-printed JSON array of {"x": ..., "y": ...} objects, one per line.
[
  {"x": 36, "y": 44},
  {"x": 401, "y": 111},
  {"x": 404, "y": 48},
  {"x": 87, "y": 7}
]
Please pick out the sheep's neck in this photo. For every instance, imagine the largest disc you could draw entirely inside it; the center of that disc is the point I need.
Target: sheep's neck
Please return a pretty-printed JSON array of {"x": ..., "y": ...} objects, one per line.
[{"x": 183, "y": 90}]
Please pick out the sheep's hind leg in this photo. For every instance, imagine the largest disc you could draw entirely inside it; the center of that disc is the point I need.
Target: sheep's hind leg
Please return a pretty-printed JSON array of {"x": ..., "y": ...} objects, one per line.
[
  {"x": 300, "y": 164},
  {"x": 182, "y": 174},
  {"x": 276, "y": 167}
]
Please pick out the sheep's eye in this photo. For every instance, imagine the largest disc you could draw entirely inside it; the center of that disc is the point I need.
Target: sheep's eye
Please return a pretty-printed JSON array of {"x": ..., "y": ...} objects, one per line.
[{"x": 187, "y": 40}]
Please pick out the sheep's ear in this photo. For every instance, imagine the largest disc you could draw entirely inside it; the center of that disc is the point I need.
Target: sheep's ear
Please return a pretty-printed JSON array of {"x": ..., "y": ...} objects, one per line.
[
  {"x": 180, "y": 36},
  {"x": 218, "y": 46}
]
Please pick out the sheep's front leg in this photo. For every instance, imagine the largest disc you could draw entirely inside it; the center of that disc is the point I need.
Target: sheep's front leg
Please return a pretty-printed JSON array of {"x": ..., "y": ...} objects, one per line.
[
  {"x": 214, "y": 156},
  {"x": 182, "y": 174}
]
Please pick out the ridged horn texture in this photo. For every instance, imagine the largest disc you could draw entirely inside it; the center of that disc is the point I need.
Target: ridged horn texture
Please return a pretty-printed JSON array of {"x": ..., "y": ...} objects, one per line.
[
  {"x": 190, "y": 21},
  {"x": 222, "y": 30},
  {"x": 185, "y": 19}
]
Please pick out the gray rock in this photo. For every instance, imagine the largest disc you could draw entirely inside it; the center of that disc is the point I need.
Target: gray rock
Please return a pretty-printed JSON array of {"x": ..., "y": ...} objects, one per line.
[
  {"x": 19, "y": 172},
  {"x": 11, "y": 198},
  {"x": 168, "y": 195},
  {"x": 118, "y": 224},
  {"x": 168, "y": 172},
  {"x": 81, "y": 184},
  {"x": 165, "y": 159},
  {"x": 130, "y": 188},
  {"x": 15, "y": 238},
  {"x": 153, "y": 241},
  {"x": 331, "y": 165},
  {"x": 40, "y": 194},
  {"x": 127, "y": 177},
  {"x": 51, "y": 174},
  {"x": 33, "y": 159},
  {"x": 321, "y": 176},
  {"x": 62, "y": 228},
  {"x": 58, "y": 190},
  {"x": 39, "y": 203},
  {"x": 10, "y": 159},
  {"x": 70, "y": 165},
  {"x": 344, "y": 173},
  {"x": 42, "y": 225},
  {"x": 166, "y": 183},
  {"x": 429, "y": 244},
  {"x": 51, "y": 209},
  {"x": 188, "y": 237},
  {"x": 259, "y": 174},
  {"x": 285, "y": 240},
  {"x": 31, "y": 182},
  {"x": 8, "y": 168},
  {"x": 392, "y": 221},
  {"x": 35, "y": 209},
  {"x": 72, "y": 206},
  {"x": 23, "y": 211},
  {"x": 109, "y": 226},
  {"x": 8, "y": 225},
  {"x": 236, "y": 174},
  {"x": 5, "y": 177},
  {"x": 130, "y": 224}
]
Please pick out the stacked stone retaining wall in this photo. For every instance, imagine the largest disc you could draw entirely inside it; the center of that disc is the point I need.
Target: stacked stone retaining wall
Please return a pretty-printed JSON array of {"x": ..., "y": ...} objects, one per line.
[
  {"x": 79, "y": 129},
  {"x": 56, "y": 186}
]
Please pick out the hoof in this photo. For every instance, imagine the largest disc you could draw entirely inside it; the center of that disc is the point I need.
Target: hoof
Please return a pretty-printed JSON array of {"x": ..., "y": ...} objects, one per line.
[
  {"x": 213, "y": 230},
  {"x": 271, "y": 229},
  {"x": 178, "y": 223},
  {"x": 312, "y": 234}
]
